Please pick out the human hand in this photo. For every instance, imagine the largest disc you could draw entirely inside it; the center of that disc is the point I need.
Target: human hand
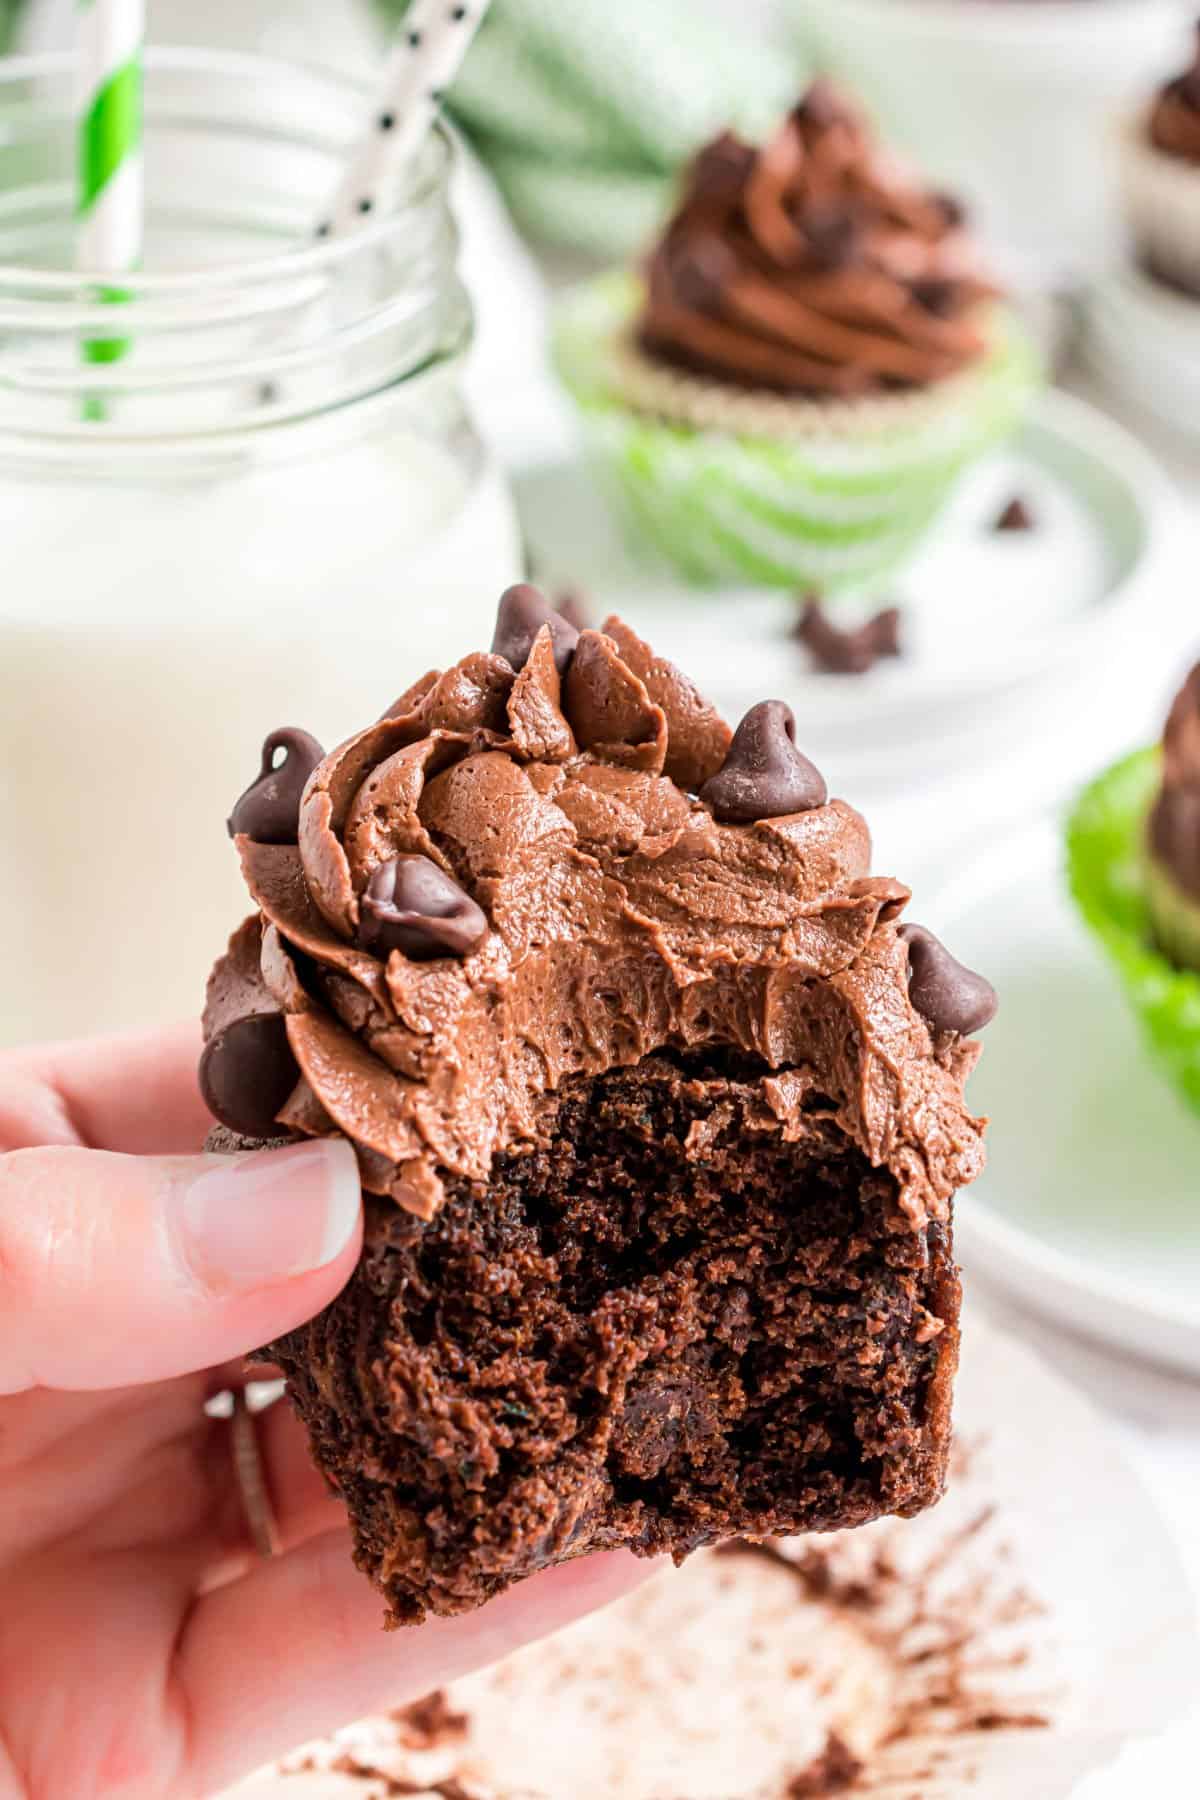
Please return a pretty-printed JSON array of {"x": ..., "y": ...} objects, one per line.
[{"x": 144, "y": 1650}]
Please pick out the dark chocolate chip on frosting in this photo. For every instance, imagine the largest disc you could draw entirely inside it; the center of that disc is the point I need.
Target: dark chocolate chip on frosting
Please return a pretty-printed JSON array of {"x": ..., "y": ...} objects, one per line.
[
  {"x": 947, "y": 995},
  {"x": 523, "y": 611},
  {"x": 571, "y": 604},
  {"x": 764, "y": 776},
  {"x": 413, "y": 906},
  {"x": 822, "y": 104},
  {"x": 269, "y": 810},
  {"x": 247, "y": 1073}
]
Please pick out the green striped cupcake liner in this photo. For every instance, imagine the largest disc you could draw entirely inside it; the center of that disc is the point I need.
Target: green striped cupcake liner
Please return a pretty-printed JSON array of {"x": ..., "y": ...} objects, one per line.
[
  {"x": 829, "y": 496},
  {"x": 1106, "y": 866}
]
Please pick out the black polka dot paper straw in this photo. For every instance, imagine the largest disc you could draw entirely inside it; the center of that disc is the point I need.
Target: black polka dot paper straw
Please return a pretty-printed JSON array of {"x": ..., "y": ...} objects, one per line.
[{"x": 426, "y": 57}]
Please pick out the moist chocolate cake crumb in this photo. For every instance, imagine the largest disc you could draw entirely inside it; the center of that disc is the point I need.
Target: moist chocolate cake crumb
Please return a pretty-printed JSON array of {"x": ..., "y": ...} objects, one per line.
[
  {"x": 835, "y": 1771},
  {"x": 672, "y": 1324}
]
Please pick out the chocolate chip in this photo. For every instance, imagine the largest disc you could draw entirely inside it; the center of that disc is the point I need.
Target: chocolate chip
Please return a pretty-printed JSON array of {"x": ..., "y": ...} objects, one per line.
[
  {"x": 269, "y": 810},
  {"x": 720, "y": 171},
  {"x": 523, "y": 612},
  {"x": 821, "y": 106},
  {"x": 838, "y": 652},
  {"x": 413, "y": 906},
  {"x": 764, "y": 776},
  {"x": 953, "y": 210},
  {"x": 936, "y": 295},
  {"x": 571, "y": 604},
  {"x": 247, "y": 1073},
  {"x": 948, "y": 996},
  {"x": 1015, "y": 517}
]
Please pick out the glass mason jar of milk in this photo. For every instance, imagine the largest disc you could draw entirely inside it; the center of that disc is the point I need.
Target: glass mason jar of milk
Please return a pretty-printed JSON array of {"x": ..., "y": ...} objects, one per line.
[{"x": 242, "y": 495}]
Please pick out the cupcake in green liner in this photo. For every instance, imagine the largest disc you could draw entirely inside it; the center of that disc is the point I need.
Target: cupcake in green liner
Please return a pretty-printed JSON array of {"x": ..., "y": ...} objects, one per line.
[
  {"x": 811, "y": 357},
  {"x": 1134, "y": 860},
  {"x": 1160, "y": 170}
]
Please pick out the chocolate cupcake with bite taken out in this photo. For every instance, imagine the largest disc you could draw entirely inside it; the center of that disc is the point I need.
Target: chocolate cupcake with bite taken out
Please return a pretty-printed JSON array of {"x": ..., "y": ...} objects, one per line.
[
  {"x": 1134, "y": 846},
  {"x": 811, "y": 356},
  {"x": 658, "y": 1108}
]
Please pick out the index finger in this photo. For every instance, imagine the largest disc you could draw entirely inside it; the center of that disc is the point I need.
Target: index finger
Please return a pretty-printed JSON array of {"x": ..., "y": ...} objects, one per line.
[{"x": 136, "y": 1093}]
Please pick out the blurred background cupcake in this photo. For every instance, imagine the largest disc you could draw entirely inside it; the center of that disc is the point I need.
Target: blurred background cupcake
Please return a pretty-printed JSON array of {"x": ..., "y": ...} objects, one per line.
[
  {"x": 1134, "y": 855},
  {"x": 1142, "y": 313},
  {"x": 812, "y": 356},
  {"x": 1012, "y": 102},
  {"x": 1161, "y": 181},
  {"x": 1173, "y": 835}
]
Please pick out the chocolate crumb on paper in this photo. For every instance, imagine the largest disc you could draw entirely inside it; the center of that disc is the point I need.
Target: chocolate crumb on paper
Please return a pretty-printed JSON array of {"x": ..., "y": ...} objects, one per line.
[
  {"x": 835, "y": 1771},
  {"x": 941, "y": 1633},
  {"x": 430, "y": 1722},
  {"x": 1016, "y": 516},
  {"x": 835, "y": 650}
]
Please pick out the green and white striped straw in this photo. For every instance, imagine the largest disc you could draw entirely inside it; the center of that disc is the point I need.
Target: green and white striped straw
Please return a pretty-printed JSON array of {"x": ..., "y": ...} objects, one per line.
[{"x": 111, "y": 198}]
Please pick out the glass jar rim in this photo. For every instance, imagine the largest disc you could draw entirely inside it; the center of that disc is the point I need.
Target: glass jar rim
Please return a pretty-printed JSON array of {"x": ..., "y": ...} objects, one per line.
[{"x": 315, "y": 257}]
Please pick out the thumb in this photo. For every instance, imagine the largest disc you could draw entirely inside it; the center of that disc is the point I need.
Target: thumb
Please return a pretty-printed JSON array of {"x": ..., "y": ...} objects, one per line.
[{"x": 116, "y": 1270}]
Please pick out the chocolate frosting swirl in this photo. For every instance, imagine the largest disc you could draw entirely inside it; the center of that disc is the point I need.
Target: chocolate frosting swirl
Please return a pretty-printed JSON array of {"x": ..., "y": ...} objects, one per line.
[
  {"x": 622, "y": 918},
  {"x": 813, "y": 266},
  {"x": 1175, "y": 818},
  {"x": 1175, "y": 116}
]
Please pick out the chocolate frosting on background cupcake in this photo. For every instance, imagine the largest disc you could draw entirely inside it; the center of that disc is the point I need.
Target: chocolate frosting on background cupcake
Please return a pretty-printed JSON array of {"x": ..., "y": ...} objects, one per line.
[
  {"x": 813, "y": 266},
  {"x": 1175, "y": 820},
  {"x": 1175, "y": 117},
  {"x": 1172, "y": 867},
  {"x": 553, "y": 863}
]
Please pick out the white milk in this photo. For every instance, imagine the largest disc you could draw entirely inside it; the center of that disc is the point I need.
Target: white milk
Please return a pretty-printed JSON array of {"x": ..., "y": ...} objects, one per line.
[
  {"x": 149, "y": 641},
  {"x": 281, "y": 516}
]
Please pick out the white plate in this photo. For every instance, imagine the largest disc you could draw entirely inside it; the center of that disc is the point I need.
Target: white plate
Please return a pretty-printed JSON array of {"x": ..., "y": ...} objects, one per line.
[
  {"x": 1143, "y": 341},
  {"x": 1089, "y": 1210},
  {"x": 1046, "y": 1580},
  {"x": 986, "y": 616}
]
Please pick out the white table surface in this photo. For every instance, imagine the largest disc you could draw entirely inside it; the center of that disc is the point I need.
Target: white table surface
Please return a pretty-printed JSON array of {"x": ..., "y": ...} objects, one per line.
[{"x": 1155, "y": 1416}]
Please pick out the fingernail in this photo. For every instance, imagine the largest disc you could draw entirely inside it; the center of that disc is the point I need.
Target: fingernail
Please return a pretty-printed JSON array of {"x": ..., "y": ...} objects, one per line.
[{"x": 247, "y": 1222}]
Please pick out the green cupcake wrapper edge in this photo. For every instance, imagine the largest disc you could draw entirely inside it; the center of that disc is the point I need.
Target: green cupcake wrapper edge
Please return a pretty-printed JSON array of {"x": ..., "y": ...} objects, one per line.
[
  {"x": 1104, "y": 866},
  {"x": 835, "y": 512}
]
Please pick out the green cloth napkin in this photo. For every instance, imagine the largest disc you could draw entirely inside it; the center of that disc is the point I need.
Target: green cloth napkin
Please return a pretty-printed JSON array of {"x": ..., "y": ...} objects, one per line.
[{"x": 584, "y": 109}]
